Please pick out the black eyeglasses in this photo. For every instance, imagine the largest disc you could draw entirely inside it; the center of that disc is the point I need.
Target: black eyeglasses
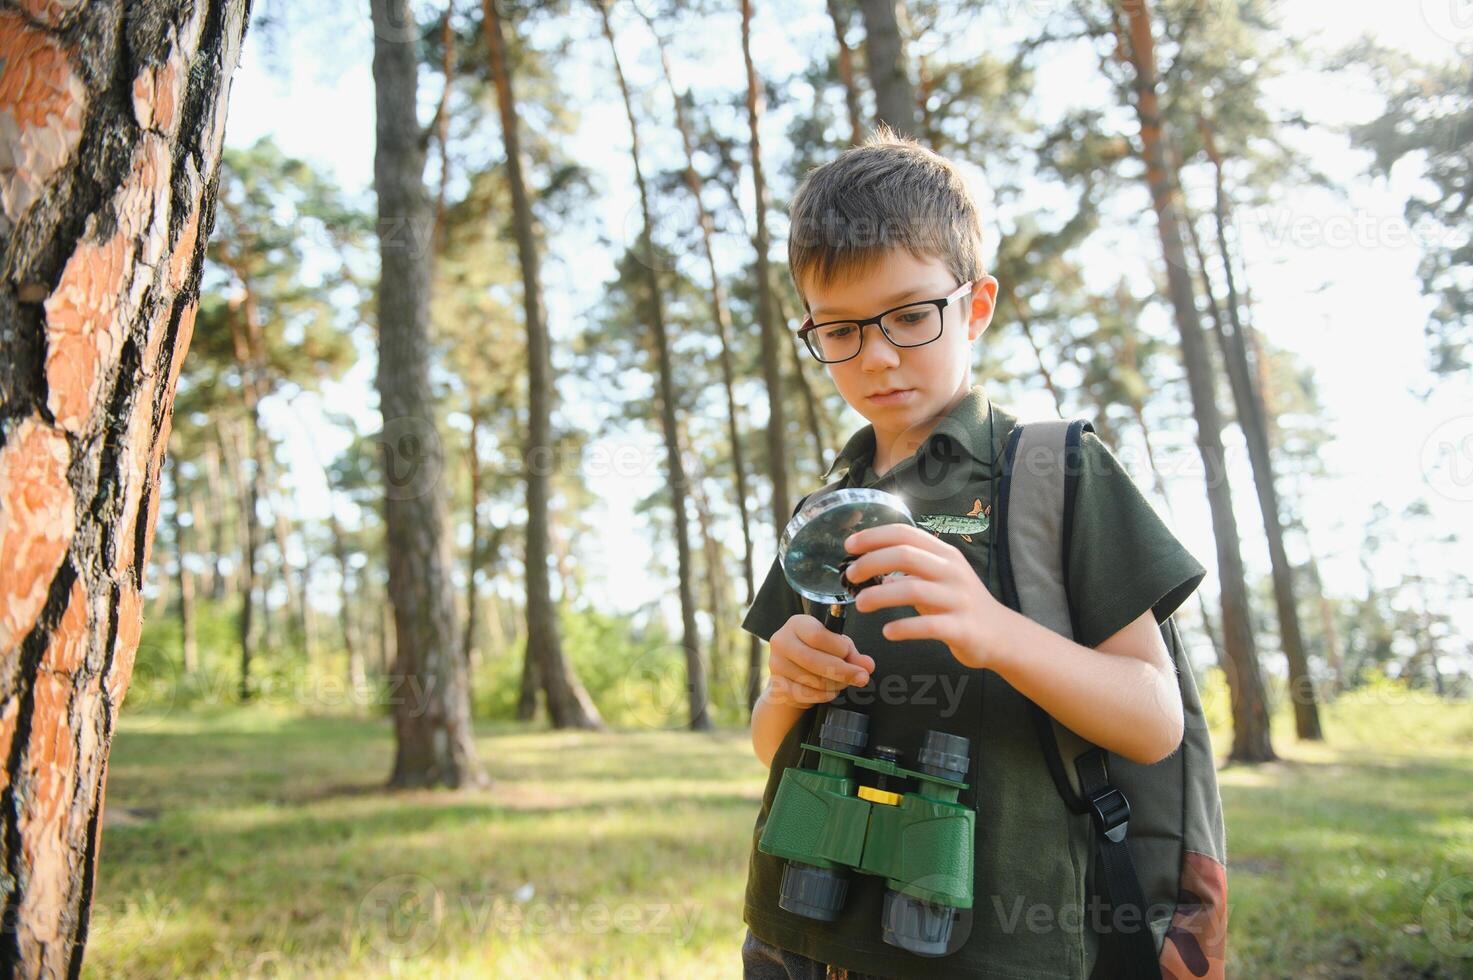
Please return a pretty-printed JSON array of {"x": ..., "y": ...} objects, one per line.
[{"x": 912, "y": 325}]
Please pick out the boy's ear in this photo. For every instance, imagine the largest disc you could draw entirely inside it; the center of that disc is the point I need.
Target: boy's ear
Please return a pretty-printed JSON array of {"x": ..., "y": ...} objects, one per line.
[{"x": 984, "y": 302}]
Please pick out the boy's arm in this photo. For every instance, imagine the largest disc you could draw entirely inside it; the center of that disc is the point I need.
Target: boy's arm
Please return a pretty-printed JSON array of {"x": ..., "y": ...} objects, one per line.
[
  {"x": 771, "y": 723},
  {"x": 1143, "y": 719}
]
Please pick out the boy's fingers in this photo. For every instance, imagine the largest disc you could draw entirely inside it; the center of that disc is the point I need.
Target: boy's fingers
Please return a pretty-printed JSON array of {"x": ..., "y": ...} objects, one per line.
[
  {"x": 794, "y": 674},
  {"x": 816, "y": 635}
]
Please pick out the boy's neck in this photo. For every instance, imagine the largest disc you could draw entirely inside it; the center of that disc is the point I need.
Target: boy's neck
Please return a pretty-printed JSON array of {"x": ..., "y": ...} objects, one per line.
[{"x": 892, "y": 447}]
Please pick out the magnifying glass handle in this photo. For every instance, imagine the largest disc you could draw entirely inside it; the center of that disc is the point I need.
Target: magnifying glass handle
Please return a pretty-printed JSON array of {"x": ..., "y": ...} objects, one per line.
[{"x": 833, "y": 618}]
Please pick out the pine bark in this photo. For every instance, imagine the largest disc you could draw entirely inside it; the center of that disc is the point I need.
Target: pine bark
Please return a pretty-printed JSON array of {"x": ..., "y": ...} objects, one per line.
[
  {"x": 721, "y": 314},
  {"x": 120, "y": 115},
  {"x": 1253, "y": 420},
  {"x": 1251, "y": 742},
  {"x": 895, "y": 96},
  {"x": 697, "y": 696},
  {"x": 568, "y": 704},
  {"x": 434, "y": 743},
  {"x": 771, "y": 341}
]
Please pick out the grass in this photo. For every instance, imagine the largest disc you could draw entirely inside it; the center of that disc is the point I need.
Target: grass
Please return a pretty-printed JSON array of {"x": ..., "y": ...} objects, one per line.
[{"x": 259, "y": 842}]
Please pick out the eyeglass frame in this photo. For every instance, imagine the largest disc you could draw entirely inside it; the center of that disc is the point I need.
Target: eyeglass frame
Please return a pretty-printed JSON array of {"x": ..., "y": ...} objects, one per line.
[{"x": 941, "y": 305}]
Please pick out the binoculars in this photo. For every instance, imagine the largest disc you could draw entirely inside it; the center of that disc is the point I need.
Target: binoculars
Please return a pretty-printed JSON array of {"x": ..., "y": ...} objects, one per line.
[{"x": 826, "y": 824}]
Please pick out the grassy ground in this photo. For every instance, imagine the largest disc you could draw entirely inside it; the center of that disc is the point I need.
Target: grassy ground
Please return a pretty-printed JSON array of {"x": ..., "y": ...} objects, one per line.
[{"x": 256, "y": 842}]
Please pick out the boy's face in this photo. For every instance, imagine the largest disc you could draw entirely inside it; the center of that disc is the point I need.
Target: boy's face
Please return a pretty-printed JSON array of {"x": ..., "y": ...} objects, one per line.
[{"x": 933, "y": 377}]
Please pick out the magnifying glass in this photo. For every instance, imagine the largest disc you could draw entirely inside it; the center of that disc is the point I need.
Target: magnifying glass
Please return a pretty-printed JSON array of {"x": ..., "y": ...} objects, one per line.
[{"x": 811, "y": 549}]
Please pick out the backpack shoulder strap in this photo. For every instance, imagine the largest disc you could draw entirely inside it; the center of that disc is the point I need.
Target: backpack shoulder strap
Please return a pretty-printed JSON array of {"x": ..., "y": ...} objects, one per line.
[{"x": 1036, "y": 509}]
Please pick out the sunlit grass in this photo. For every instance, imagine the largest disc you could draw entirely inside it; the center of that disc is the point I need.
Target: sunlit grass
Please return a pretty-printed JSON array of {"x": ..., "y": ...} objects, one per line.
[{"x": 257, "y": 841}]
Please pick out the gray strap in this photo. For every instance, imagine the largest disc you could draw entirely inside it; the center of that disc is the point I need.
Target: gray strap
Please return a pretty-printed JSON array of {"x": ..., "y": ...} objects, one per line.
[{"x": 1035, "y": 545}]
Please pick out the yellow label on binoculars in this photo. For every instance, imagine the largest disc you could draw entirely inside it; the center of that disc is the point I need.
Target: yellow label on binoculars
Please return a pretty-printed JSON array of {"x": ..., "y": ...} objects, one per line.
[{"x": 879, "y": 796}]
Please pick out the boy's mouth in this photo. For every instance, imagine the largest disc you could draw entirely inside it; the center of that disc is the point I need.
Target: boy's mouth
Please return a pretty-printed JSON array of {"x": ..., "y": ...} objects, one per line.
[{"x": 891, "y": 395}]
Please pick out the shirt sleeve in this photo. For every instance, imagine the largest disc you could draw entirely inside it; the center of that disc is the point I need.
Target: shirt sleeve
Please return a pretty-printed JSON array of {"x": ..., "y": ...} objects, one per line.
[
  {"x": 1123, "y": 559},
  {"x": 776, "y": 602}
]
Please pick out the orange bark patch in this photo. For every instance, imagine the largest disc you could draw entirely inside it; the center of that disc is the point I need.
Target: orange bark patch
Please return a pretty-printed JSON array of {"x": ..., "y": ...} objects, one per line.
[
  {"x": 180, "y": 260},
  {"x": 87, "y": 314},
  {"x": 67, "y": 648},
  {"x": 156, "y": 94},
  {"x": 51, "y": 12},
  {"x": 42, "y": 102},
  {"x": 36, "y": 523},
  {"x": 133, "y": 467},
  {"x": 125, "y": 648},
  {"x": 84, "y": 329},
  {"x": 50, "y": 759}
]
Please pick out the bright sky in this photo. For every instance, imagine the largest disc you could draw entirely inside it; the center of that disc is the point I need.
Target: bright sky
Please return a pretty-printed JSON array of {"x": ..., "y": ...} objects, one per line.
[{"x": 1332, "y": 276}]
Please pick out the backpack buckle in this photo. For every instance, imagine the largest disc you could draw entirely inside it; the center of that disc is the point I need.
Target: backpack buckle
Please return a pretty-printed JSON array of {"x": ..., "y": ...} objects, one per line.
[{"x": 1111, "y": 812}]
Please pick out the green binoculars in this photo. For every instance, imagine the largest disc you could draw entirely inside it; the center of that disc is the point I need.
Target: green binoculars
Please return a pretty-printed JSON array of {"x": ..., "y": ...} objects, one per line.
[{"x": 905, "y": 826}]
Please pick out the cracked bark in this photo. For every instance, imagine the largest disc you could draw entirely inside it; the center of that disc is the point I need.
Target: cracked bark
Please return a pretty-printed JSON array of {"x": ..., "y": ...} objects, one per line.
[{"x": 117, "y": 116}]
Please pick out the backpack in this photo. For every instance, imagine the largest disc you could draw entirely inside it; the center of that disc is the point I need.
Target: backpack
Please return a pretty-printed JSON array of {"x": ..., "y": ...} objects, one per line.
[{"x": 1159, "y": 841}]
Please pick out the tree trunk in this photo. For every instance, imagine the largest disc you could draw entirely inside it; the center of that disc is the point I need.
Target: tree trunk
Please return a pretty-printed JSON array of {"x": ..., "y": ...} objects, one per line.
[
  {"x": 846, "y": 72},
  {"x": 218, "y": 586},
  {"x": 568, "y": 704},
  {"x": 1251, "y": 741},
  {"x": 805, "y": 390},
  {"x": 105, "y": 231},
  {"x": 188, "y": 647},
  {"x": 1252, "y": 419},
  {"x": 434, "y": 743},
  {"x": 697, "y": 696},
  {"x": 771, "y": 367},
  {"x": 473, "y": 560},
  {"x": 895, "y": 97},
  {"x": 722, "y": 315}
]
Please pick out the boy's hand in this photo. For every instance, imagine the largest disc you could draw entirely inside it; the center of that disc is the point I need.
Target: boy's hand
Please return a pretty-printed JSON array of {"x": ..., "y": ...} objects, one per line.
[
  {"x": 953, "y": 604},
  {"x": 810, "y": 664}
]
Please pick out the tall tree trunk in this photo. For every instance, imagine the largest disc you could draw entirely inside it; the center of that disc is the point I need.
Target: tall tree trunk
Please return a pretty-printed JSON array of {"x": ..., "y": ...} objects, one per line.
[
  {"x": 722, "y": 316},
  {"x": 771, "y": 367},
  {"x": 105, "y": 230},
  {"x": 1251, "y": 741},
  {"x": 1252, "y": 419},
  {"x": 811, "y": 413},
  {"x": 434, "y": 743},
  {"x": 217, "y": 508},
  {"x": 675, "y": 480},
  {"x": 473, "y": 559},
  {"x": 568, "y": 704},
  {"x": 895, "y": 97},
  {"x": 250, "y": 534},
  {"x": 357, "y": 675},
  {"x": 188, "y": 647},
  {"x": 846, "y": 71}
]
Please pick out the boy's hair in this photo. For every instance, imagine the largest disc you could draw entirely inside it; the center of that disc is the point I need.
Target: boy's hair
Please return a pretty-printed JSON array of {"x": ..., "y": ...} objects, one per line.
[{"x": 889, "y": 192}]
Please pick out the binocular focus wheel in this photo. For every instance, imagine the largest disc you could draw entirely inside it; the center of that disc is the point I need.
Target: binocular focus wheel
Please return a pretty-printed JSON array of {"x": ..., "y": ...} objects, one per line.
[
  {"x": 945, "y": 755},
  {"x": 844, "y": 731},
  {"x": 917, "y": 926},
  {"x": 815, "y": 893}
]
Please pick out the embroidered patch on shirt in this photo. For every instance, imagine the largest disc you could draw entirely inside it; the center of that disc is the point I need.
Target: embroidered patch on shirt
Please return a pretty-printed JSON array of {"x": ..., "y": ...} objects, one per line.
[{"x": 973, "y": 522}]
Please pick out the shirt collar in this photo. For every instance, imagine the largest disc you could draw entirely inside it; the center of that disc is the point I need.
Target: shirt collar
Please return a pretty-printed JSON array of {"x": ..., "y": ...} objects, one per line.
[{"x": 966, "y": 425}]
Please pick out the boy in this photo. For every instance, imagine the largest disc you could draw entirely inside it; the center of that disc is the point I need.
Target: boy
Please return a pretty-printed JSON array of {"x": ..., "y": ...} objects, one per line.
[{"x": 884, "y": 249}]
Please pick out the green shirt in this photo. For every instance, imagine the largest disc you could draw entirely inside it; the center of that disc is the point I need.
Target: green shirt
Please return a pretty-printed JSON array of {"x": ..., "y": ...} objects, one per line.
[{"x": 1030, "y": 851}]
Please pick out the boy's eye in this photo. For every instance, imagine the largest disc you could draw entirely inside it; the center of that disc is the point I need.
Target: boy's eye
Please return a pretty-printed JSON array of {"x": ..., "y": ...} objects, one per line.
[
  {"x": 913, "y": 316},
  {"x": 839, "y": 331}
]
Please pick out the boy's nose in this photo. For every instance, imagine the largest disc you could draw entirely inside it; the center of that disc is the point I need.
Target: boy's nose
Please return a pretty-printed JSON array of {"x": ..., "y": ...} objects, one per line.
[{"x": 877, "y": 352}]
